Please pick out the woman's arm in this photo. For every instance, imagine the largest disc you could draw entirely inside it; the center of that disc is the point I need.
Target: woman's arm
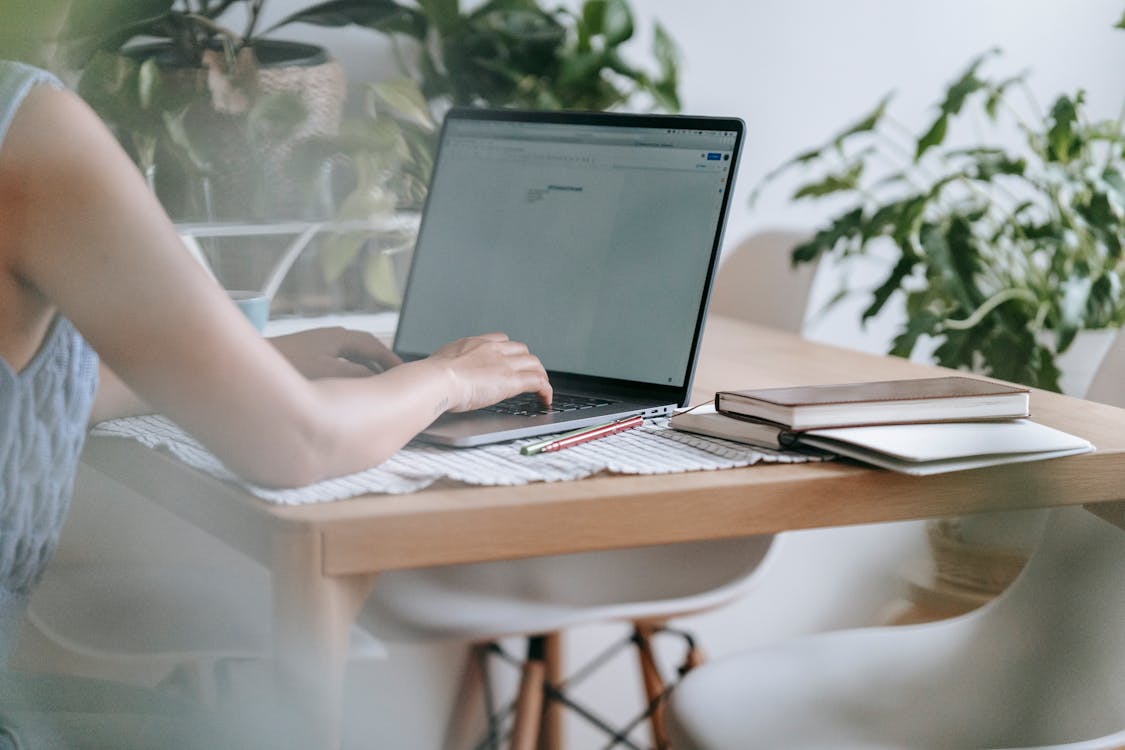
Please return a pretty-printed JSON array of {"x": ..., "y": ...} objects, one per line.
[
  {"x": 82, "y": 228},
  {"x": 114, "y": 399},
  {"x": 328, "y": 352}
]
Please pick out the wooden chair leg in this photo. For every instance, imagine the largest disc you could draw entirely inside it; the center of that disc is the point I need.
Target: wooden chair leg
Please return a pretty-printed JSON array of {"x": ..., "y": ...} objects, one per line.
[
  {"x": 464, "y": 719},
  {"x": 551, "y": 730},
  {"x": 692, "y": 659},
  {"x": 529, "y": 702},
  {"x": 653, "y": 683}
]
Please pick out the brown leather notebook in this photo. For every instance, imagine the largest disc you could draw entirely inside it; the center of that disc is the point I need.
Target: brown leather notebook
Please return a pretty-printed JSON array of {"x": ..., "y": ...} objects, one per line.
[{"x": 945, "y": 399}]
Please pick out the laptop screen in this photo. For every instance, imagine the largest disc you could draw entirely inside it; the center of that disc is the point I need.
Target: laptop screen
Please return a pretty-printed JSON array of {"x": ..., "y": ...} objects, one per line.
[{"x": 590, "y": 238}]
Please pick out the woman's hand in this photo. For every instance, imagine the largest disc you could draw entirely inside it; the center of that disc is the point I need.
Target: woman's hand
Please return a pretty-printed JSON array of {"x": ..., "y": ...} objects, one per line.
[
  {"x": 489, "y": 368},
  {"x": 335, "y": 352}
]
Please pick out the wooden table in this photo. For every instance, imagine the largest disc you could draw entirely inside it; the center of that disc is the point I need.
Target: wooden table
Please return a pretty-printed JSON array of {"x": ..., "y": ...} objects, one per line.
[{"x": 324, "y": 558}]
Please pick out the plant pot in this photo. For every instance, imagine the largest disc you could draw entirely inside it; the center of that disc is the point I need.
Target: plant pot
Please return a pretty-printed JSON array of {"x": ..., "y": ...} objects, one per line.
[
  {"x": 1079, "y": 363},
  {"x": 983, "y": 552},
  {"x": 246, "y": 177}
]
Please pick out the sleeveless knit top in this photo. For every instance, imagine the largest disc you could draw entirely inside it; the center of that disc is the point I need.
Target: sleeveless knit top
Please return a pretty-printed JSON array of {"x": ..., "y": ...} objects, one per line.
[{"x": 43, "y": 414}]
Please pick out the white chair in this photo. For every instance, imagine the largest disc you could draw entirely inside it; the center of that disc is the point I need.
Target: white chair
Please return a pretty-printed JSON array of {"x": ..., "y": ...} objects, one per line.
[
  {"x": 646, "y": 587},
  {"x": 538, "y": 598},
  {"x": 758, "y": 282},
  {"x": 170, "y": 624},
  {"x": 1043, "y": 665}
]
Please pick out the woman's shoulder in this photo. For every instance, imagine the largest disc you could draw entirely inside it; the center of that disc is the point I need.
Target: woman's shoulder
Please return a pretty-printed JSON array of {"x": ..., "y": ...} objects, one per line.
[{"x": 16, "y": 80}]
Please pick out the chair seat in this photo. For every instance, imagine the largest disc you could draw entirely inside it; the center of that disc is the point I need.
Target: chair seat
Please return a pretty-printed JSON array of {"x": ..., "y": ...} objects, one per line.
[
  {"x": 1043, "y": 665},
  {"x": 127, "y": 609},
  {"x": 548, "y": 594}
]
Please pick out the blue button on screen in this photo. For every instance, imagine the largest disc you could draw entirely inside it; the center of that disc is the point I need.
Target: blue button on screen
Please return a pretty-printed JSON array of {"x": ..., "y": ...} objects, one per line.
[{"x": 713, "y": 156}]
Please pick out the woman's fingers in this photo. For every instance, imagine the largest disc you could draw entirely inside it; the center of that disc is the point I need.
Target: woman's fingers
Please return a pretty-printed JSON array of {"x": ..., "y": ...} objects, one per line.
[
  {"x": 490, "y": 368},
  {"x": 335, "y": 352}
]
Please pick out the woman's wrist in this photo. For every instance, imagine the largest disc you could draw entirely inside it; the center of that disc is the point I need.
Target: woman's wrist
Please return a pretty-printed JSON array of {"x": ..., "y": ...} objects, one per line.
[{"x": 447, "y": 389}]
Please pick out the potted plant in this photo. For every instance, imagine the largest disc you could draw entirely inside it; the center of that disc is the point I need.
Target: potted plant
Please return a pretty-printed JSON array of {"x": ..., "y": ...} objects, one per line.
[
  {"x": 502, "y": 53},
  {"x": 200, "y": 103},
  {"x": 999, "y": 256},
  {"x": 515, "y": 53}
]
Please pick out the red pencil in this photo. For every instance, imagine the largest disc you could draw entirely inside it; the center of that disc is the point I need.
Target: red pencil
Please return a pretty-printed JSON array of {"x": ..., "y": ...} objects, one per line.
[{"x": 584, "y": 436}]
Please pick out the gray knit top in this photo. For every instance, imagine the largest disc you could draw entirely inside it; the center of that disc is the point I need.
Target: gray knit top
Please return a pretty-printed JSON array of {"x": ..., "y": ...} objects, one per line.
[{"x": 43, "y": 414}]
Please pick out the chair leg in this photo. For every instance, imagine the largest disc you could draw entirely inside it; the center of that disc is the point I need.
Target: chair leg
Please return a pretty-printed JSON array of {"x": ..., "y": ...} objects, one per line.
[
  {"x": 551, "y": 730},
  {"x": 529, "y": 703},
  {"x": 693, "y": 658},
  {"x": 469, "y": 694},
  {"x": 653, "y": 683}
]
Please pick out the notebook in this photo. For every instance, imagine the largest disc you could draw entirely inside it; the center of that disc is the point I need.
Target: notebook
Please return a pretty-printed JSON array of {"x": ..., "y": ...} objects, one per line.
[
  {"x": 591, "y": 237},
  {"x": 918, "y": 449},
  {"x": 941, "y": 399},
  {"x": 922, "y": 449}
]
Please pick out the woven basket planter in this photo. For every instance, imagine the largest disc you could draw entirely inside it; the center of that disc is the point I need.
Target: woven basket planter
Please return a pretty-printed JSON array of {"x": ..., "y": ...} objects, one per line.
[
  {"x": 248, "y": 177},
  {"x": 980, "y": 567}
]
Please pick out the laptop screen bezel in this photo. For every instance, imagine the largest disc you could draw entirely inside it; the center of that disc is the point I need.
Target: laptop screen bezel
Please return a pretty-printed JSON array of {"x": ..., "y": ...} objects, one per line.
[{"x": 563, "y": 380}]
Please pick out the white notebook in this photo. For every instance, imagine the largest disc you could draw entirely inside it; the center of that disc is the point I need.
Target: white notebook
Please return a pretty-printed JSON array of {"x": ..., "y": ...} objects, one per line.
[{"x": 948, "y": 446}]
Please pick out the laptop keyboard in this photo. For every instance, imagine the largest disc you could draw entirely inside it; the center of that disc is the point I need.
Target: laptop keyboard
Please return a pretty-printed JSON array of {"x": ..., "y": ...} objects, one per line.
[{"x": 528, "y": 404}]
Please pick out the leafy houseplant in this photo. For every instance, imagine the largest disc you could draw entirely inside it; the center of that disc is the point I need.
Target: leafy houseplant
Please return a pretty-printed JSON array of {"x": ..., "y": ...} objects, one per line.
[
  {"x": 1002, "y": 256},
  {"x": 207, "y": 103},
  {"x": 503, "y": 53},
  {"x": 515, "y": 53}
]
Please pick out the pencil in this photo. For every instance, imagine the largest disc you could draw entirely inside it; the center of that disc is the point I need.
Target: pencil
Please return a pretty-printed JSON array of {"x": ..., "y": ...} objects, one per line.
[{"x": 584, "y": 435}]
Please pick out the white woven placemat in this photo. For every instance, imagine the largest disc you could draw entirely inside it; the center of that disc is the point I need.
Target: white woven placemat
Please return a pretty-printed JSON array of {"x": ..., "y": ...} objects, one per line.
[{"x": 653, "y": 448}]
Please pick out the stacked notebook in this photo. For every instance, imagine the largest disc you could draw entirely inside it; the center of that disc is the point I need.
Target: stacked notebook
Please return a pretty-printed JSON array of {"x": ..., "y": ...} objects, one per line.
[{"x": 922, "y": 426}]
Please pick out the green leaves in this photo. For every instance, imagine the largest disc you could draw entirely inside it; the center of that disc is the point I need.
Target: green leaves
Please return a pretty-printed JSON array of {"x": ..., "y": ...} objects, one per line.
[
  {"x": 515, "y": 53},
  {"x": 105, "y": 26},
  {"x": 618, "y": 23},
  {"x": 133, "y": 99},
  {"x": 969, "y": 83},
  {"x": 665, "y": 88},
  {"x": 935, "y": 136},
  {"x": 405, "y": 101},
  {"x": 956, "y": 97},
  {"x": 866, "y": 124},
  {"x": 610, "y": 19},
  {"x": 890, "y": 285},
  {"x": 843, "y": 181},
  {"x": 275, "y": 116},
  {"x": 1001, "y": 256},
  {"x": 1064, "y": 140},
  {"x": 443, "y": 15},
  {"x": 844, "y": 230},
  {"x": 386, "y": 16}
]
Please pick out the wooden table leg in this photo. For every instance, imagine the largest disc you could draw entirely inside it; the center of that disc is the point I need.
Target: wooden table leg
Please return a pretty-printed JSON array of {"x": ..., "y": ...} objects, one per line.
[{"x": 313, "y": 616}]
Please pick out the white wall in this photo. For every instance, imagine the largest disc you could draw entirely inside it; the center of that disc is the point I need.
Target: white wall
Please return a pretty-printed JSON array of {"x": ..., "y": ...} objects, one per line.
[{"x": 799, "y": 71}]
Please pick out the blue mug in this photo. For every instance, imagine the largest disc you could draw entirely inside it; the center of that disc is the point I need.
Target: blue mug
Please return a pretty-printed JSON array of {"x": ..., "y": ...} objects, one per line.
[{"x": 253, "y": 304}]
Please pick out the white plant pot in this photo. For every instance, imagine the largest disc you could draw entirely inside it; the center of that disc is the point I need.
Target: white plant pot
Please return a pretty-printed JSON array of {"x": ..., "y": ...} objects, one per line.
[
  {"x": 1018, "y": 532},
  {"x": 1079, "y": 363}
]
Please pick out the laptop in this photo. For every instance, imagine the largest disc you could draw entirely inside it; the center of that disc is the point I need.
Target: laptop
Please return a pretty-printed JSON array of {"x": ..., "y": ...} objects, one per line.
[{"x": 591, "y": 237}]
